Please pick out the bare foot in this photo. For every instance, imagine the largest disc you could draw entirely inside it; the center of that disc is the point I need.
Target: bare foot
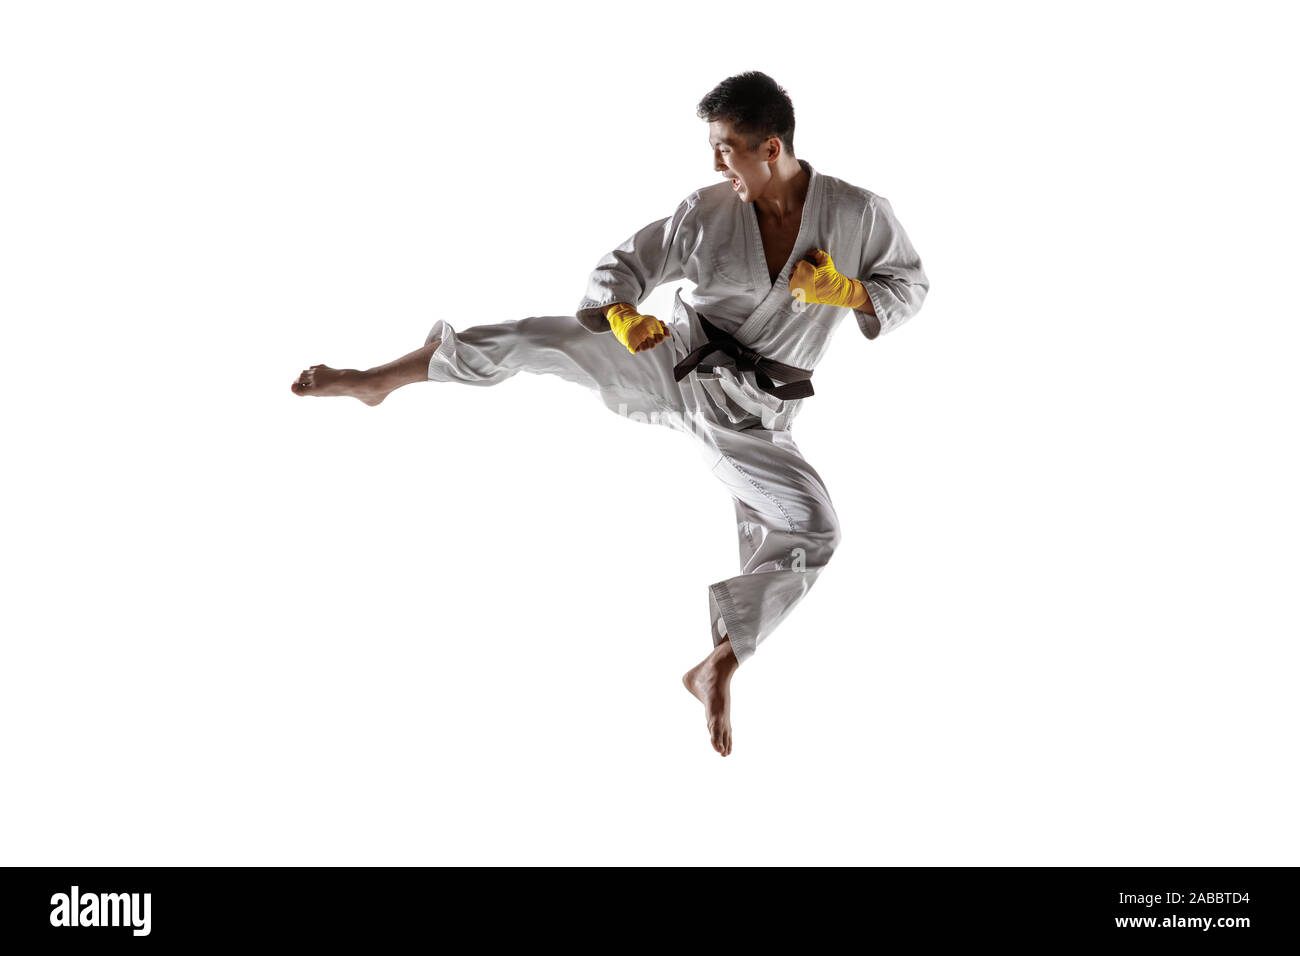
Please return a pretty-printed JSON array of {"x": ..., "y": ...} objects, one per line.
[
  {"x": 323, "y": 380},
  {"x": 710, "y": 682}
]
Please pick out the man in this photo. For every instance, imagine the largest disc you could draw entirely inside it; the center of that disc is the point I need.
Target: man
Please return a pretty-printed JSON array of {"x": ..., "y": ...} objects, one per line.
[{"x": 777, "y": 252}]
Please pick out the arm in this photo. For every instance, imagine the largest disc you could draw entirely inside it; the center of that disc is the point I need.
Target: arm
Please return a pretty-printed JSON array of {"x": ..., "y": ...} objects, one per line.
[
  {"x": 894, "y": 283},
  {"x": 648, "y": 258}
]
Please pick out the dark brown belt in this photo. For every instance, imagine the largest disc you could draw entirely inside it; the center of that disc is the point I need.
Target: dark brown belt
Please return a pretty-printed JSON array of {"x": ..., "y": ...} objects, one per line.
[{"x": 747, "y": 360}]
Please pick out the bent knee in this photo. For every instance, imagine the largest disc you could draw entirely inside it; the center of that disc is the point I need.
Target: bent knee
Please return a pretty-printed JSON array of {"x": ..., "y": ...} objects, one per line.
[
  {"x": 828, "y": 530},
  {"x": 833, "y": 538},
  {"x": 832, "y": 541},
  {"x": 817, "y": 546}
]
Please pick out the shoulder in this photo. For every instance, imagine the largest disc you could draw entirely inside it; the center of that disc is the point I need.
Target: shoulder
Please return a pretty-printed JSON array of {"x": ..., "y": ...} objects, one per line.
[
  {"x": 705, "y": 207},
  {"x": 847, "y": 197},
  {"x": 711, "y": 198}
]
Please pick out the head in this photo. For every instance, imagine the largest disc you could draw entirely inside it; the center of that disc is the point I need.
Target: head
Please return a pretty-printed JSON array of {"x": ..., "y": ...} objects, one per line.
[{"x": 751, "y": 131}]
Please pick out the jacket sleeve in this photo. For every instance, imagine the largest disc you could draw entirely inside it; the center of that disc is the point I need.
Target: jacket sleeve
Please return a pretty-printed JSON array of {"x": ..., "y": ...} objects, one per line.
[
  {"x": 890, "y": 269},
  {"x": 653, "y": 255}
]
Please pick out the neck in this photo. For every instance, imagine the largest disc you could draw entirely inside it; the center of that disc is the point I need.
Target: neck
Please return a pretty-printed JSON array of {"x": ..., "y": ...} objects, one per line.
[{"x": 785, "y": 191}]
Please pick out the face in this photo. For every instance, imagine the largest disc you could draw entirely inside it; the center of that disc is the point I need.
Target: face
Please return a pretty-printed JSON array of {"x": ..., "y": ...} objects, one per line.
[{"x": 749, "y": 172}]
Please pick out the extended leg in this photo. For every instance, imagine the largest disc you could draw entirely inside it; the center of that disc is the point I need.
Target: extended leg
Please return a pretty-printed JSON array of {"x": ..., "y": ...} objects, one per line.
[
  {"x": 641, "y": 386},
  {"x": 371, "y": 386}
]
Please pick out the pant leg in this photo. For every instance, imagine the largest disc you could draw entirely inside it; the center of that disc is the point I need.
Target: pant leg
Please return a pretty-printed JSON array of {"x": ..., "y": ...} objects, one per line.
[
  {"x": 640, "y": 386},
  {"x": 788, "y": 530}
]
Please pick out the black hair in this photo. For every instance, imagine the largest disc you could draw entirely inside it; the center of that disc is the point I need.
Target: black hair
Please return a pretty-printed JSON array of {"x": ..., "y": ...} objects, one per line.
[{"x": 755, "y": 106}]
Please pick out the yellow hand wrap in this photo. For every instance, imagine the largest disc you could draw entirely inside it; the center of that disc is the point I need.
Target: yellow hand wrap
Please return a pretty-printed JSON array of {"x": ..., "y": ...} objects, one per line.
[
  {"x": 821, "y": 283},
  {"x": 636, "y": 331}
]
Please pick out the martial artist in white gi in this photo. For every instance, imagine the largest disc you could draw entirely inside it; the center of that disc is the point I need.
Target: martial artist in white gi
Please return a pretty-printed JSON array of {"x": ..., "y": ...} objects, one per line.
[{"x": 779, "y": 253}]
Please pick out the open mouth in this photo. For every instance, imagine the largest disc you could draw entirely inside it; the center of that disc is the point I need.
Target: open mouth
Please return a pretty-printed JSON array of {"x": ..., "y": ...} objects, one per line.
[{"x": 735, "y": 184}]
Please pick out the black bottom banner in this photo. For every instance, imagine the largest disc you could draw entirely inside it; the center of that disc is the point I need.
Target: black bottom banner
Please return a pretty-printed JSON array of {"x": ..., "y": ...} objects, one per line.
[{"x": 92, "y": 907}]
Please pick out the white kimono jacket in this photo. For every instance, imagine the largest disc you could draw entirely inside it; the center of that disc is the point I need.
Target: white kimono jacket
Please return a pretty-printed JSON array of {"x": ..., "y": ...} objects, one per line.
[{"x": 713, "y": 240}]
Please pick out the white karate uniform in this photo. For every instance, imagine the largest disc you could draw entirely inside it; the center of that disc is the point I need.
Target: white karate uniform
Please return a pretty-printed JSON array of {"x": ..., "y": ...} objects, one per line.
[{"x": 786, "y": 523}]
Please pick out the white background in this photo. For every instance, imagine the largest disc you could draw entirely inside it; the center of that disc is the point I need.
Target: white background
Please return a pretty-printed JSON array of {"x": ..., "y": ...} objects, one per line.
[{"x": 244, "y": 627}]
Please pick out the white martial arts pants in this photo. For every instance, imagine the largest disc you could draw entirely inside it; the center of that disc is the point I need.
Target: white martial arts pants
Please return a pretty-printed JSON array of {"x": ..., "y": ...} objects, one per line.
[{"x": 787, "y": 526}]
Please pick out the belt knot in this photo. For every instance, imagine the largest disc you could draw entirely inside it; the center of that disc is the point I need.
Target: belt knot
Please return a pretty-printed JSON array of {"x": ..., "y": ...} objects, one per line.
[{"x": 746, "y": 360}]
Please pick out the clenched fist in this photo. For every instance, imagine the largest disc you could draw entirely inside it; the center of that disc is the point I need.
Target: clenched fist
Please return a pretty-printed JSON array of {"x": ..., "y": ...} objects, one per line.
[
  {"x": 815, "y": 279},
  {"x": 637, "y": 332}
]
